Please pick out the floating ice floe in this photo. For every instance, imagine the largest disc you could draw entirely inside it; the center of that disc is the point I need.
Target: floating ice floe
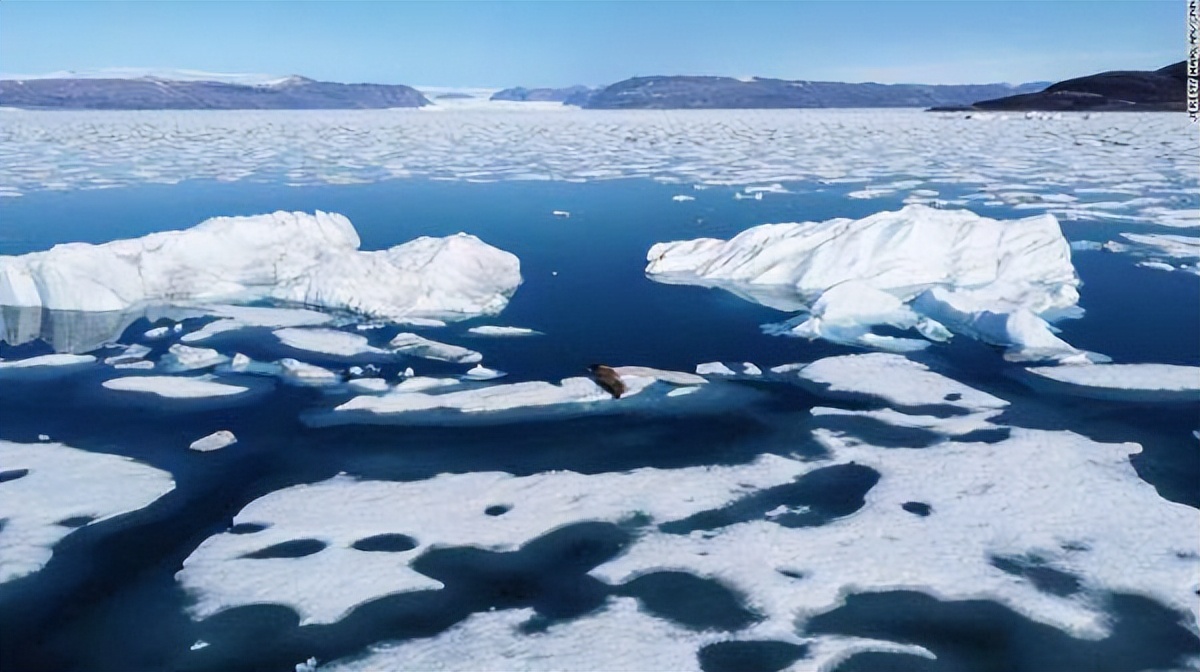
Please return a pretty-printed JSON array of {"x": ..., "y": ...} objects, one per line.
[
  {"x": 418, "y": 346},
  {"x": 1121, "y": 382},
  {"x": 181, "y": 357},
  {"x": 681, "y": 198},
  {"x": 327, "y": 342},
  {"x": 156, "y": 333},
  {"x": 232, "y": 318},
  {"x": 447, "y": 510},
  {"x": 935, "y": 271},
  {"x": 215, "y": 441},
  {"x": 1162, "y": 251},
  {"x": 419, "y": 322},
  {"x": 49, "y": 489},
  {"x": 896, "y": 380},
  {"x": 422, "y": 401},
  {"x": 368, "y": 385},
  {"x": 174, "y": 387},
  {"x": 302, "y": 373},
  {"x": 289, "y": 257},
  {"x": 44, "y": 363},
  {"x": 491, "y": 330}
]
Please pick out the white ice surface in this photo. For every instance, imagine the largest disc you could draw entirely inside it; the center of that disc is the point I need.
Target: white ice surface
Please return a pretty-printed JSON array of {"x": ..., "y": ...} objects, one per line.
[
  {"x": 63, "y": 483},
  {"x": 481, "y": 372},
  {"x": 897, "y": 380},
  {"x": 368, "y": 385},
  {"x": 418, "y": 346},
  {"x": 45, "y": 361},
  {"x": 303, "y": 373},
  {"x": 1126, "y": 381},
  {"x": 174, "y": 387},
  {"x": 490, "y": 330},
  {"x": 327, "y": 342},
  {"x": 215, "y": 441},
  {"x": 290, "y": 257},
  {"x": 921, "y": 268},
  {"x": 182, "y": 357}
]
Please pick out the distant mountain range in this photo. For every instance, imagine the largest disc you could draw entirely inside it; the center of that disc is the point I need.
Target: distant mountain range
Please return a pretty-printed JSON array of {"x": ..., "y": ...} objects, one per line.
[
  {"x": 153, "y": 93},
  {"x": 1122, "y": 90},
  {"x": 1163, "y": 90},
  {"x": 688, "y": 92}
]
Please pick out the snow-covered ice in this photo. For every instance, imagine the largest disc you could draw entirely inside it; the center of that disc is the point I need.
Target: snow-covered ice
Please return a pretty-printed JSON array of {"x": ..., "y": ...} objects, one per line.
[
  {"x": 232, "y": 318},
  {"x": 1135, "y": 382},
  {"x": 41, "y": 362},
  {"x": 935, "y": 271},
  {"x": 303, "y": 373},
  {"x": 182, "y": 357},
  {"x": 895, "y": 379},
  {"x": 491, "y": 330},
  {"x": 174, "y": 387},
  {"x": 417, "y": 346},
  {"x": 310, "y": 259},
  {"x": 215, "y": 441},
  {"x": 49, "y": 487},
  {"x": 327, "y": 342}
]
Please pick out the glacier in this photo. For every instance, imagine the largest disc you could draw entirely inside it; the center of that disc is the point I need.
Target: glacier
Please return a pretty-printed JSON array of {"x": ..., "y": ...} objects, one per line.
[
  {"x": 936, "y": 271},
  {"x": 289, "y": 257}
]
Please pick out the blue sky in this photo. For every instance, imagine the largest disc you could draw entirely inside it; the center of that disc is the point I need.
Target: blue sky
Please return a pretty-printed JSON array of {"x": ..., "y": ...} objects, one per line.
[{"x": 573, "y": 41}]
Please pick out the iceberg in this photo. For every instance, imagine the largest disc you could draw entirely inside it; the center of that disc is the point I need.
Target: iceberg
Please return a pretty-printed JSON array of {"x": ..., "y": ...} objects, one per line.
[
  {"x": 48, "y": 489},
  {"x": 290, "y": 257},
  {"x": 935, "y": 271},
  {"x": 301, "y": 373}
]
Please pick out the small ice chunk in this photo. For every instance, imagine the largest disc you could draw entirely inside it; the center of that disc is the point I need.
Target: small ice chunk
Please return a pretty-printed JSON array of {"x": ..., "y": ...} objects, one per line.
[
  {"x": 156, "y": 333},
  {"x": 749, "y": 369},
  {"x": 490, "y": 330},
  {"x": 368, "y": 385},
  {"x": 417, "y": 346},
  {"x": 302, "y": 373},
  {"x": 680, "y": 198},
  {"x": 481, "y": 372},
  {"x": 408, "y": 372},
  {"x": 240, "y": 362},
  {"x": 43, "y": 437},
  {"x": 420, "y": 322},
  {"x": 137, "y": 364},
  {"x": 561, "y": 213},
  {"x": 173, "y": 387},
  {"x": 200, "y": 644},
  {"x": 181, "y": 357},
  {"x": 214, "y": 441},
  {"x": 714, "y": 369},
  {"x": 131, "y": 354}
]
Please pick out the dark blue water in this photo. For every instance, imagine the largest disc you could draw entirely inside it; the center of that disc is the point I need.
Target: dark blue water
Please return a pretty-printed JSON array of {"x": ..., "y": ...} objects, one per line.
[{"x": 108, "y": 599}]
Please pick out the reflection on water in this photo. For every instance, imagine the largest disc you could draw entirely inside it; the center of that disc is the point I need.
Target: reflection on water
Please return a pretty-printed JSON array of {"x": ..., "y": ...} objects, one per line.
[{"x": 77, "y": 331}]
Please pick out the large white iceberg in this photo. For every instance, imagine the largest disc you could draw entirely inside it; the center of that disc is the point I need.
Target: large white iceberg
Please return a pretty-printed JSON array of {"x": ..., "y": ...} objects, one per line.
[
  {"x": 295, "y": 257},
  {"x": 936, "y": 271}
]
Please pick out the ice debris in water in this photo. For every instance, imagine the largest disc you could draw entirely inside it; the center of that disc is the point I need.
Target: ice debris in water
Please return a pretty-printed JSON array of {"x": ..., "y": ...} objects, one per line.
[{"x": 215, "y": 441}]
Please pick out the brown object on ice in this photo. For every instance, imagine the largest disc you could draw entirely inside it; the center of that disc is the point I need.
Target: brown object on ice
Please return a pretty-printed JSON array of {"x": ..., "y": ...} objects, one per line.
[{"x": 609, "y": 379}]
